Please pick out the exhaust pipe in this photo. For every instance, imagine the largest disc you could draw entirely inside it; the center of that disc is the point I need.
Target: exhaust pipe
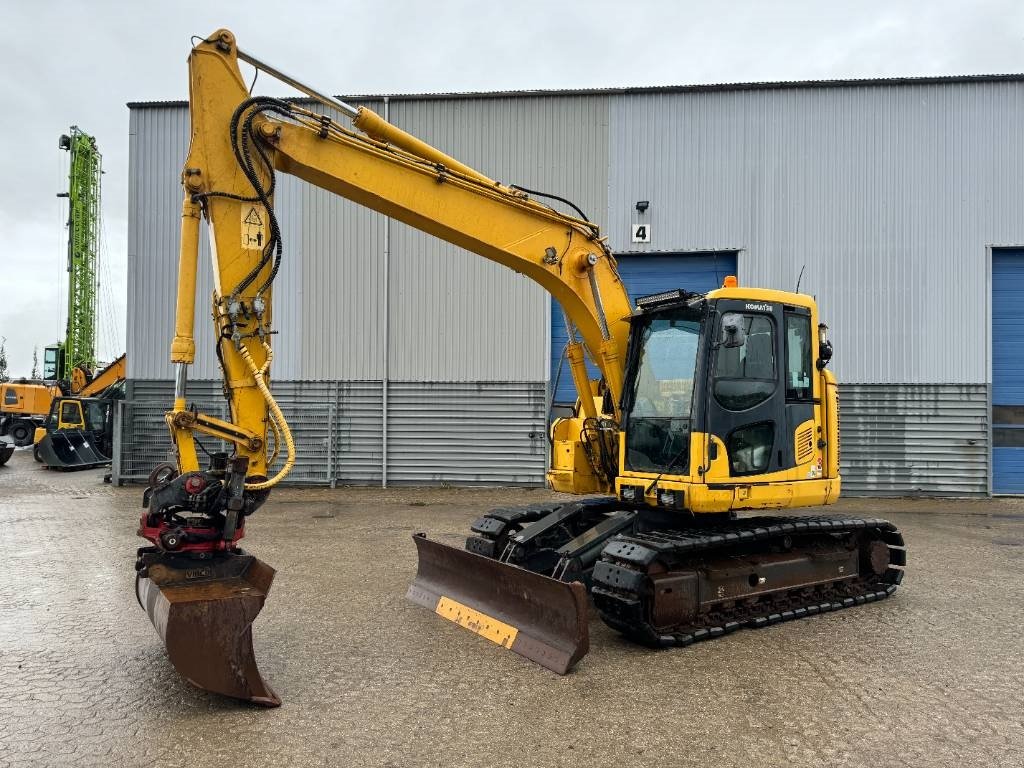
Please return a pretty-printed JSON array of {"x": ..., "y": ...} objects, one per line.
[
  {"x": 540, "y": 618},
  {"x": 203, "y": 611}
]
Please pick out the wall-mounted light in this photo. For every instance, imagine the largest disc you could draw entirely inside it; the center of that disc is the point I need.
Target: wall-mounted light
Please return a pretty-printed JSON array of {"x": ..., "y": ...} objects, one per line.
[{"x": 642, "y": 205}]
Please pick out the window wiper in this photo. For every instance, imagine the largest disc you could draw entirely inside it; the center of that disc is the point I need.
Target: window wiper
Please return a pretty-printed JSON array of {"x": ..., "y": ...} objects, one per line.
[{"x": 671, "y": 464}]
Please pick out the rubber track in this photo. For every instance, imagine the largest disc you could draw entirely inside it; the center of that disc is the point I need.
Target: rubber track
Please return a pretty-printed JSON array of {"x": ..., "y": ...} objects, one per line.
[{"x": 620, "y": 578}]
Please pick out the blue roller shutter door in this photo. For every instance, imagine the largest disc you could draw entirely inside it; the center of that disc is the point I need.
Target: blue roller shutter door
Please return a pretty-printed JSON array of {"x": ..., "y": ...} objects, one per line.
[
  {"x": 643, "y": 275},
  {"x": 1008, "y": 371}
]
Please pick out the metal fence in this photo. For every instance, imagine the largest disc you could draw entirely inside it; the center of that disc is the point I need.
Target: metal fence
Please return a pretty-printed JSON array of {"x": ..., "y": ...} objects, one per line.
[{"x": 481, "y": 433}]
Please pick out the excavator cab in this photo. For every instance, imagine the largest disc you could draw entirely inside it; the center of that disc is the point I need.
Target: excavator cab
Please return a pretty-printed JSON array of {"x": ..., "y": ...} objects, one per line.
[{"x": 726, "y": 404}]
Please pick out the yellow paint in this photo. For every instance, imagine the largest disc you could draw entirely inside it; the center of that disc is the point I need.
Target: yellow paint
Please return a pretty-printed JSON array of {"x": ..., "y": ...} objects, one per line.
[
  {"x": 27, "y": 399},
  {"x": 486, "y": 626},
  {"x": 392, "y": 172},
  {"x": 113, "y": 373},
  {"x": 183, "y": 347},
  {"x": 69, "y": 414}
]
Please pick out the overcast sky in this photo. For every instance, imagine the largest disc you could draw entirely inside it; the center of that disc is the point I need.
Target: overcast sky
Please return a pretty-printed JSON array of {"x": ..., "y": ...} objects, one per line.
[{"x": 80, "y": 62}]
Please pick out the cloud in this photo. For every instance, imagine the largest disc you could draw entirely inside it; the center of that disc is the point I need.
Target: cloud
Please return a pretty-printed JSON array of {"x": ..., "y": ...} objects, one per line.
[{"x": 79, "y": 63}]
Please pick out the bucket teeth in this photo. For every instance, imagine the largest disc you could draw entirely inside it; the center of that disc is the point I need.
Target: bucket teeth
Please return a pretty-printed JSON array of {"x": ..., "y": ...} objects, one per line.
[
  {"x": 540, "y": 618},
  {"x": 203, "y": 611}
]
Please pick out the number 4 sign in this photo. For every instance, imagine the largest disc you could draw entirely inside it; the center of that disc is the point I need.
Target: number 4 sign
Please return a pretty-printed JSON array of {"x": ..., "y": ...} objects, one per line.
[{"x": 641, "y": 233}]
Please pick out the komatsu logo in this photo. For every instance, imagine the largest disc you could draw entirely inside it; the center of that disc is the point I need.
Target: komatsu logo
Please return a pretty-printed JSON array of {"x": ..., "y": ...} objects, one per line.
[{"x": 761, "y": 307}]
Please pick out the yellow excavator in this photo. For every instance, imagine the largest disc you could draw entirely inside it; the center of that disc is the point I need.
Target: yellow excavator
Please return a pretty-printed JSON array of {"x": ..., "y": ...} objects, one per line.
[
  {"x": 707, "y": 404},
  {"x": 78, "y": 432}
]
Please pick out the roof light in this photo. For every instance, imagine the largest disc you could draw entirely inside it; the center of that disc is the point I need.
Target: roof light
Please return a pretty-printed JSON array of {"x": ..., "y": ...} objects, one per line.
[
  {"x": 730, "y": 281},
  {"x": 660, "y": 298}
]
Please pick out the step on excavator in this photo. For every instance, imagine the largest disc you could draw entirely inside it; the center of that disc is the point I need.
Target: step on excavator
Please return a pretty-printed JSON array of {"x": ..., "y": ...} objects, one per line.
[{"x": 707, "y": 405}]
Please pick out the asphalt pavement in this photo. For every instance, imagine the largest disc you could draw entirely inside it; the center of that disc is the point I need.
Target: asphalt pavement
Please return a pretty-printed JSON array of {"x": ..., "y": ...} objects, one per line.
[{"x": 933, "y": 676}]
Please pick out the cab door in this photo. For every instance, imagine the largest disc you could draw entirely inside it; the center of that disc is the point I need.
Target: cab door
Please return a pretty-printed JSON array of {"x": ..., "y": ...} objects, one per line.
[
  {"x": 745, "y": 396},
  {"x": 70, "y": 415}
]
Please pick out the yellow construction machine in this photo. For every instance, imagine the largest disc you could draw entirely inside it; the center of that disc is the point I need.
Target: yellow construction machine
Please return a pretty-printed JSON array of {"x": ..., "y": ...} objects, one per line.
[
  {"x": 26, "y": 405},
  {"x": 78, "y": 432},
  {"x": 707, "y": 405}
]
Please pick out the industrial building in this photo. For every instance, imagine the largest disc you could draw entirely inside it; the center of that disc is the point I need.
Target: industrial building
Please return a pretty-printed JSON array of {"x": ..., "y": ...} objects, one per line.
[{"x": 400, "y": 359}]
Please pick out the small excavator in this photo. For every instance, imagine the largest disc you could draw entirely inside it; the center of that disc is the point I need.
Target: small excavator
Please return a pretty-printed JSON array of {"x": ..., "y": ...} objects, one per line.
[
  {"x": 78, "y": 432},
  {"x": 707, "y": 405}
]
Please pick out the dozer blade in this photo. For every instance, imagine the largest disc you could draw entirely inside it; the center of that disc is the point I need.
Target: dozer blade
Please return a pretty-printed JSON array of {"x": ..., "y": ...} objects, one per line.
[
  {"x": 70, "y": 449},
  {"x": 536, "y": 616},
  {"x": 203, "y": 611}
]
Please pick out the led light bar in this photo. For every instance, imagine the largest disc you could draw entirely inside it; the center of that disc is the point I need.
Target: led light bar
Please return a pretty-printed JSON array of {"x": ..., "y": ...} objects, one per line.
[{"x": 664, "y": 297}]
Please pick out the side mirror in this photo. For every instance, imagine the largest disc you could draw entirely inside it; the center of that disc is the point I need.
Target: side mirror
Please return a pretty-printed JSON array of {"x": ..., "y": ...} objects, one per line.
[{"x": 733, "y": 333}]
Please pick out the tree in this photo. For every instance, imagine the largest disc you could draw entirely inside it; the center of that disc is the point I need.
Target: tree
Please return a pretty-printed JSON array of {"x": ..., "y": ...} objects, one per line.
[
  {"x": 3, "y": 359},
  {"x": 35, "y": 363}
]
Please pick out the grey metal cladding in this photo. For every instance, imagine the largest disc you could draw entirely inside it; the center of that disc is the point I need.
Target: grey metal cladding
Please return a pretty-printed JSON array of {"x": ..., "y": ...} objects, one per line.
[
  {"x": 336, "y": 427},
  {"x": 910, "y": 439},
  {"x": 888, "y": 195},
  {"x": 466, "y": 434},
  {"x": 157, "y": 145},
  {"x": 455, "y": 316},
  {"x": 342, "y": 284},
  {"x": 450, "y": 433}
]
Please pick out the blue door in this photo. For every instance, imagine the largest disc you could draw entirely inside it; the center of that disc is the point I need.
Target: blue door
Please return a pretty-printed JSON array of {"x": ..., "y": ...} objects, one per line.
[
  {"x": 1008, "y": 371},
  {"x": 643, "y": 275}
]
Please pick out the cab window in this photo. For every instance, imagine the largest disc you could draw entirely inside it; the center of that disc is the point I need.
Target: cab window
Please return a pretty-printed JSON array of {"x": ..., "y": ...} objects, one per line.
[
  {"x": 745, "y": 366},
  {"x": 70, "y": 413},
  {"x": 96, "y": 415},
  {"x": 798, "y": 357},
  {"x": 750, "y": 448},
  {"x": 10, "y": 396}
]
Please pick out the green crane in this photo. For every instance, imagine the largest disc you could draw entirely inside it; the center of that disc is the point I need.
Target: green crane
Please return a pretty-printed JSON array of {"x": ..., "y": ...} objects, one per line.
[{"x": 78, "y": 350}]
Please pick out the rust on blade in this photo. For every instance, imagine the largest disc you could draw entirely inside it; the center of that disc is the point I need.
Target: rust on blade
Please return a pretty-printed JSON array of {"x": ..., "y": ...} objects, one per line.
[
  {"x": 540, "y": 618},
  {"x": 204, "y": 612}
]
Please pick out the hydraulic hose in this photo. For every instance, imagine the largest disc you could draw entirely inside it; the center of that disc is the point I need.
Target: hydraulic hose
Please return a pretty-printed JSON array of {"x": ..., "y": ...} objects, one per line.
[
  {"x": 277, "y": 440},
  {"x": 275, "y": 415}
]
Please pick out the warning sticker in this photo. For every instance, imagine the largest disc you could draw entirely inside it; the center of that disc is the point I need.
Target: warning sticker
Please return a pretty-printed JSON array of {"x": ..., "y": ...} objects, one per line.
[{"x": 254, "y": 227}]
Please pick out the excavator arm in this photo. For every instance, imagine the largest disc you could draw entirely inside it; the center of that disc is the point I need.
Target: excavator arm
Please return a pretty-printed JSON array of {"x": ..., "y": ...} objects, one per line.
[
  {"x": 112, "y": 374},
  {"x": 237, "y": 144}
]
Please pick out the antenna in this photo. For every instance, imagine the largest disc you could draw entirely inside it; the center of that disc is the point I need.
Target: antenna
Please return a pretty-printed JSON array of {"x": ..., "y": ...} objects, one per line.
[{"x": 799, "y": 278}]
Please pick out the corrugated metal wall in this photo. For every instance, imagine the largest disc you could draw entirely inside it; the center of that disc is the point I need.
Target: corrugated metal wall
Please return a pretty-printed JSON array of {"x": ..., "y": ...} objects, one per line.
[
  {"x": 888, "y": 194},
  {"x": 439, "y": 433},
  {"x": 470, "y": 434},
  {"x": 907, "y": 439}
]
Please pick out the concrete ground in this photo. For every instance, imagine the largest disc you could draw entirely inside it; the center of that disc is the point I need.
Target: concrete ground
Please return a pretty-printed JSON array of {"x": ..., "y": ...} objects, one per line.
[{"x": 931, "y": 677}]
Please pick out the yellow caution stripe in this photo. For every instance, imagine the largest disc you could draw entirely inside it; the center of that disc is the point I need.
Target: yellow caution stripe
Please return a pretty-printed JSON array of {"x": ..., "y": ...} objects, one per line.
[{"x": 496, "y": 631}]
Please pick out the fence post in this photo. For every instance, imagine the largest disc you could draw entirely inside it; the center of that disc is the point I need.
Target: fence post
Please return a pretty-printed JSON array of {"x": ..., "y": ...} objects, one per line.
[{"x": 115, "y": 467}]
